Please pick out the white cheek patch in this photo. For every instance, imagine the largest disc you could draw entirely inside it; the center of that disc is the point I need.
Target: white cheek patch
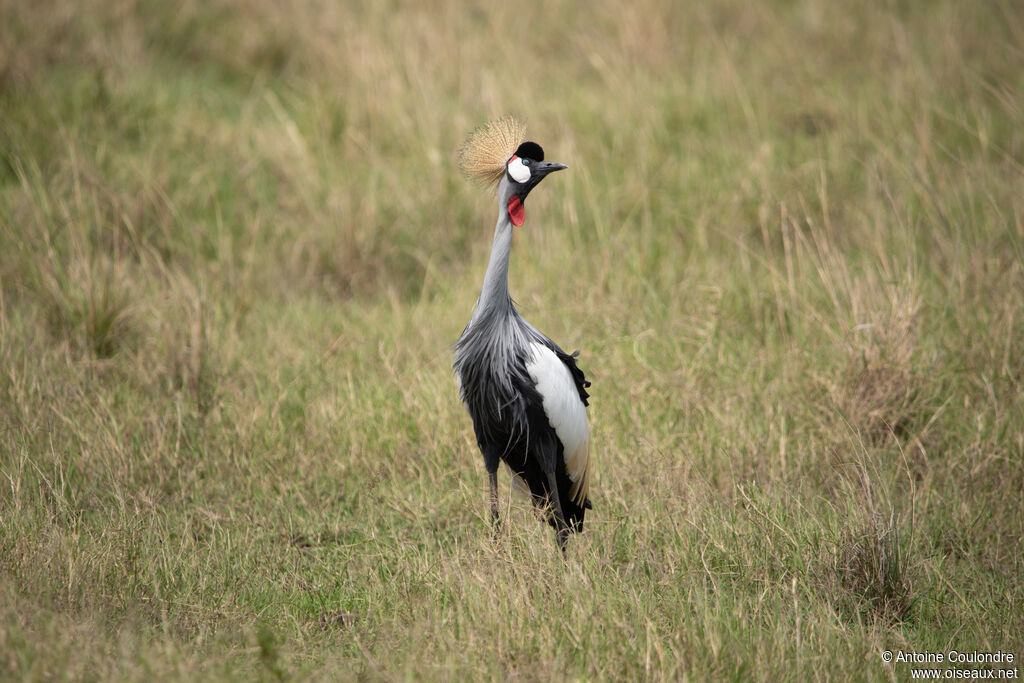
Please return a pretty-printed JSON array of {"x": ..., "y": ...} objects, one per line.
[{"x": 519, "y": 171}]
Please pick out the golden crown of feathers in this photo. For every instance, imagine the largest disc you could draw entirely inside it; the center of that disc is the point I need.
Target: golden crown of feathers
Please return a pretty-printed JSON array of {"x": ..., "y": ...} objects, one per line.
[{"x": 483, "y": 155}]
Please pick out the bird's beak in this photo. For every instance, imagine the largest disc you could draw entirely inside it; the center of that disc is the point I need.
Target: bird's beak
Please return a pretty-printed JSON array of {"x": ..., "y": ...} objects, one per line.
[
  {"x": 538, "y": 174},
  {"x": 545, "y": 167}
]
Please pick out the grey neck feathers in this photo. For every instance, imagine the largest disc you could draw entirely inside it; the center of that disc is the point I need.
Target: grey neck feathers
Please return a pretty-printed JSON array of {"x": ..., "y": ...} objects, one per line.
[{"x": 494, "y": 295}]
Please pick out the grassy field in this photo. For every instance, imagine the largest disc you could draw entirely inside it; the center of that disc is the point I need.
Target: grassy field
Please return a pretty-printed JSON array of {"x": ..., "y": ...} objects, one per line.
[{"x": 235, "y": 250}]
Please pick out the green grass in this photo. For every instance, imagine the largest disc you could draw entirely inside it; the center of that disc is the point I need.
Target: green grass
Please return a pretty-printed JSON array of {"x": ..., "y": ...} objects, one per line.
[{"x": 235, "y": 250}]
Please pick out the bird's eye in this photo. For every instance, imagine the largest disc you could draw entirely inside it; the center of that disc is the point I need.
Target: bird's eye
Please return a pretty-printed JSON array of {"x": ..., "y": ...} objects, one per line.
[{"x": 526, "y": 162}]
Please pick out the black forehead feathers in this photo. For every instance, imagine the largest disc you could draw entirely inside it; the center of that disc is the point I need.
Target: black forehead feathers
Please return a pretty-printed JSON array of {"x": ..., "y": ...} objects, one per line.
[{"x": 530, "y": 150}]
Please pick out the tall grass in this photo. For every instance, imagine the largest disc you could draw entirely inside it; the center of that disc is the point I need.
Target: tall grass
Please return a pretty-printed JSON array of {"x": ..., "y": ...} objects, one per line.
[{"x": 234, "y": 251}]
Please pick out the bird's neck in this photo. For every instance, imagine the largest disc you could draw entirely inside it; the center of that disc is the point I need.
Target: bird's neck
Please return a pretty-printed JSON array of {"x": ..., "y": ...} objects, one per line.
[{"x": 494, "y": 294}]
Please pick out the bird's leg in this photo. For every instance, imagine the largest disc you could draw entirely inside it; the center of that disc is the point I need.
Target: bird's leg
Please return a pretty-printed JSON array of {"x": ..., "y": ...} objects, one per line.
[
  {"x": 492, "y": 477},
  {"x": 562, "y": 532},
  {"x": 491, "y": 463}
]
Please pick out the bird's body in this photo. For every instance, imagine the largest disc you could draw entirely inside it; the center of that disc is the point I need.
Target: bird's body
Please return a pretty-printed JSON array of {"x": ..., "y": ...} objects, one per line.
[{"x": 527, "y": 398}]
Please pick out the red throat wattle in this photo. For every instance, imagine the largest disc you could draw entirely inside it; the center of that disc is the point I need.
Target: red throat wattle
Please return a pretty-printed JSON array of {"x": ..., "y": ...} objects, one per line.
[{"x": 516, "y": 210}]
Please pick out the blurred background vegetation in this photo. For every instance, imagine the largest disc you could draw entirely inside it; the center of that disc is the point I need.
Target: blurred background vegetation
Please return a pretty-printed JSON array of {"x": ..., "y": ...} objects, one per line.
[{"x": 234, "y": 250}]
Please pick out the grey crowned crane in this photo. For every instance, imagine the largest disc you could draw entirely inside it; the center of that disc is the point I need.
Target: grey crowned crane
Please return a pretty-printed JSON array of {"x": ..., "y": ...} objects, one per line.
[{"x": 526, "y": 396}]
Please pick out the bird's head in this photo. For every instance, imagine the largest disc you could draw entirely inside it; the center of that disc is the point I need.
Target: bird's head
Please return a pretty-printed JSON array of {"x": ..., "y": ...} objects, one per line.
[
  {"x": 523, "y": 171},
  {"x": 496, "y": 154}
]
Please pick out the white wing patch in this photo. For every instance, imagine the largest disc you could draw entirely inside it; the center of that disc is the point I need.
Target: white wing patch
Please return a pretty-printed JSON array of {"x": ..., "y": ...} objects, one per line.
[{"x": 566, "y": 414}]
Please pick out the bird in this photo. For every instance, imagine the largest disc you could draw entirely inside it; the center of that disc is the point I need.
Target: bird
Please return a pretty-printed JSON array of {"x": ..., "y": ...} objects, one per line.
[{"x": 526, "y": 396}]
